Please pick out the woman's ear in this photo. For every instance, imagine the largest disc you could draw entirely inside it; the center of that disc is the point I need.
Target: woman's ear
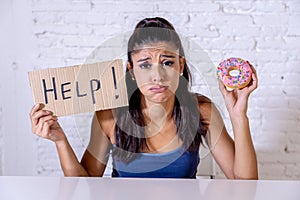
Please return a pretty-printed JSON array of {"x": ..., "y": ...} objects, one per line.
[
  {"x": 181, "y": 63},
  {"x": 129, "y": 67},
  {"x": 130, "y": 70}
]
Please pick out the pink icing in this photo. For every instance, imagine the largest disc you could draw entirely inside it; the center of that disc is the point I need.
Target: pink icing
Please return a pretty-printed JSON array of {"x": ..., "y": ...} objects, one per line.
[{"x": 238, "y": 81}]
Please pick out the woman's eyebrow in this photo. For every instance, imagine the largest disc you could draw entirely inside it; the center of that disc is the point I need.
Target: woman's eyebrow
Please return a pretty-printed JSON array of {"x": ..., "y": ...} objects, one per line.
[
  {"x": 143, "y": 59},
  {"x": 167, "y": 56},
  {"x": 164, "y": 56}
]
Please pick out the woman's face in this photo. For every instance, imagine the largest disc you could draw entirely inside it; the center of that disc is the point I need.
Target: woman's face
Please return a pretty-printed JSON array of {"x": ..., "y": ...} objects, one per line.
[{"x": 156, "y": 69}]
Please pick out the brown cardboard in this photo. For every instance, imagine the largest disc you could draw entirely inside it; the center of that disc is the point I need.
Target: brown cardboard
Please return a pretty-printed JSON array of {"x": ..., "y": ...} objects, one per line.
[{"x": 80, "y": 88}]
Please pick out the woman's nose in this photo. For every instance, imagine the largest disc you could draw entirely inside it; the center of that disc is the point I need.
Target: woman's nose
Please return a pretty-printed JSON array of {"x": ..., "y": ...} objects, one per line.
[{"x": 158, "y": 73}]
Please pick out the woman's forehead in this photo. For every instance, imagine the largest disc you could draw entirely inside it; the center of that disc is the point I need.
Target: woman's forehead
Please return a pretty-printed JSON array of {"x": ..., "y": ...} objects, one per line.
[{"x": 156, "y": 48}]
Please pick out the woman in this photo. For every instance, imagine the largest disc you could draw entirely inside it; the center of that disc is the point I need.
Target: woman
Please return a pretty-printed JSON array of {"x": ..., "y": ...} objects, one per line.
[{"x": 160, "y": 132}]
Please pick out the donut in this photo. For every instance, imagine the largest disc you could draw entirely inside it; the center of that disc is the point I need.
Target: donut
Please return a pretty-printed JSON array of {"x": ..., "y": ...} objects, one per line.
[{"x": 235, "y": 73}]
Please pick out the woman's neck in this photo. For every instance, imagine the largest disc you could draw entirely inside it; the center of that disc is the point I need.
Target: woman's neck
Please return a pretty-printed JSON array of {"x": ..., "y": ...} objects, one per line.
[
  {"x": 157, "y": 115},
  {"x": 154, "y": 111},
  {"x": 160, "y": 127}
]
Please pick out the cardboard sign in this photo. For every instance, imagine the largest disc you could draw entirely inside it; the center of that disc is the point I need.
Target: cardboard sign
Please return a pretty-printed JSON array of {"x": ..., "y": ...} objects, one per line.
[{"x": 80, "y": 88}]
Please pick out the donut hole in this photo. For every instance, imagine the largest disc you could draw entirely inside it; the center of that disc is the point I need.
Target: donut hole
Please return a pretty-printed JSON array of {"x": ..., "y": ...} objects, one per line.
[{"x": 234, "y": 71}]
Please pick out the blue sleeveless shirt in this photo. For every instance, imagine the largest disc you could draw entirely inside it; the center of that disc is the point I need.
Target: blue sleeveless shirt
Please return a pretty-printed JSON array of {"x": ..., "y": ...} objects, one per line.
[{"x": 179, "y": 163}]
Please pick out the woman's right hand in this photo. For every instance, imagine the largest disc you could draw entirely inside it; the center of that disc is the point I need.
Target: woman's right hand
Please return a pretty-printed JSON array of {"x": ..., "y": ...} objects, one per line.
[{"x": 45, "y": 124}]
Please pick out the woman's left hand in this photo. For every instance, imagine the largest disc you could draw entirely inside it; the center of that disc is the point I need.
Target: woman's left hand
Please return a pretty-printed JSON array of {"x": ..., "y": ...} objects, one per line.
[{"x": 237, "y": 100}]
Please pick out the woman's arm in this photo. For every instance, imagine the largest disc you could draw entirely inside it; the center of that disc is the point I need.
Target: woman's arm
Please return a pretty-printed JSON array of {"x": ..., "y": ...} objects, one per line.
[
  {"x": 45, "y": 124},
  {"x": 96, "y": 155},
  {"x": 245, "y": 163},
  {"x": 68, "y": 160},
  {"x": 237, "y": 158}
]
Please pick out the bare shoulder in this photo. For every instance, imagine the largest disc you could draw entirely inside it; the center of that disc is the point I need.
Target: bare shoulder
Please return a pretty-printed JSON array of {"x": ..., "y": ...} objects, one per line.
[
  {"x": 205, "y": 107},
  {"x": 203, "y": 99},
  {"x": 208, "y": 110},
  {"x": 106, "y": 121}
]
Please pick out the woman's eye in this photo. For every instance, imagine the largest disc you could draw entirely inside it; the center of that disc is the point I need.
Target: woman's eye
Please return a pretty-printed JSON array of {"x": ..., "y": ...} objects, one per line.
[
  {"x": 168, "y": 63},
  {"x": 145, "y": 66}
]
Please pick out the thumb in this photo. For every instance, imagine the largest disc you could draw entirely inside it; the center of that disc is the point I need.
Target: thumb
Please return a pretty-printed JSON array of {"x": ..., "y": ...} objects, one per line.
[{"x": 222, "y": 88}]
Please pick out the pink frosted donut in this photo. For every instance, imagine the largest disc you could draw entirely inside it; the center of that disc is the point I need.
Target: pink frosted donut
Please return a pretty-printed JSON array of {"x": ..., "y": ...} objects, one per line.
[{"x": 235, "y": 73}]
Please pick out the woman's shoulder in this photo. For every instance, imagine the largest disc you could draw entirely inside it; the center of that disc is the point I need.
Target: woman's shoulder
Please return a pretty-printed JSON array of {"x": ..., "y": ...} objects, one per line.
[
  {"x": 105, "y": 114},
  {"x": 202, "y": 99},
  {"x": 209, "y": 113},
  {"x": 206, "y": 107},
  {"x": 106, "y": 121},
  {"x": 204, "y": 102}
]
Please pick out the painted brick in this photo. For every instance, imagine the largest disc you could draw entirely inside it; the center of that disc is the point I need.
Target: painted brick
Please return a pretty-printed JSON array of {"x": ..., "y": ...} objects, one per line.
[
  {"x": 270, "y": 43},
  {"x": 293, "y": 6},
  {"x": 270, "y": 19},
  {"x": 84, "y": 18},
  {"x": 1, "y": 139},
  {"x": 270, "y": 7},
  {"x": 293, "y": 43},
  {"x": 63, "y": 29},
  {"x": 279, "y": 125},
  {"x": 124, "y": 7},
  {"x": 236, "y": 7},
  {"x": 60, "y": 5}
]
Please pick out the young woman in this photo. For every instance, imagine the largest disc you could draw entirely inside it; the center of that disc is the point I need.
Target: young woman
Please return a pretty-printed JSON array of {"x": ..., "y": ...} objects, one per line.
[{"x": 159, "y": 134}]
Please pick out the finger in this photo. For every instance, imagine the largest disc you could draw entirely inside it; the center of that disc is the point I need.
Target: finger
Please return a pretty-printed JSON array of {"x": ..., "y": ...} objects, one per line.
[
  {"x": 47, "y": 118},
  {"x": 45, "y": 130},
  {"x": 252, "y": 68},
  {"x": 46, "y": 127},
  {"x": 222, "y": 88},
  {"x": 34, "y": 109},
  {"x": 39, "y": 127},
  {"x": 254, "y": 83},
  {"x": 254, "y": 77},
  {"x": 39, "y": 114}
]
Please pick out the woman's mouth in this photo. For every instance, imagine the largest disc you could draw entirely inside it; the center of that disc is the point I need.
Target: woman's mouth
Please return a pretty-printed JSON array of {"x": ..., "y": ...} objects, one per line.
[{"x": 159, "y": 89}]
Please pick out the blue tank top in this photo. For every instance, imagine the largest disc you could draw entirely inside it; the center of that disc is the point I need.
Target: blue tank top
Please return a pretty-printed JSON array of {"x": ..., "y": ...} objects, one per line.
[{"x": 178, "y": 163}]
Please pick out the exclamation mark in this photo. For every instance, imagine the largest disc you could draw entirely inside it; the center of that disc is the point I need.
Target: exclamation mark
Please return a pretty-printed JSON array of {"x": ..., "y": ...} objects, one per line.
[{"x": 115, "y": 80}]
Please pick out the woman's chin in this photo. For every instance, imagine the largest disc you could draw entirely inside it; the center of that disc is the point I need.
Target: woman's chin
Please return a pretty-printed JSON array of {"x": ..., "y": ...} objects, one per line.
[{"x": 160, "y": 97}]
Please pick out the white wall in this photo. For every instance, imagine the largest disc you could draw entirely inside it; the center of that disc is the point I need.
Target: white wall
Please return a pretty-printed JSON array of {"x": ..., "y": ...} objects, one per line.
[{"x": 39, "y": 34}]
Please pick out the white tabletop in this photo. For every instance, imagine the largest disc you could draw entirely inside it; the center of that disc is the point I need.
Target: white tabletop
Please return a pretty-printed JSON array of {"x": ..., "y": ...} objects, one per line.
[{"x": 44, "y": 188}]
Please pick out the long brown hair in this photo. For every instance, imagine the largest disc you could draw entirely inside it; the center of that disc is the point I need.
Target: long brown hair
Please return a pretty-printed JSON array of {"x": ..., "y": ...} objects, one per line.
[{"x": 130, "y": 132}]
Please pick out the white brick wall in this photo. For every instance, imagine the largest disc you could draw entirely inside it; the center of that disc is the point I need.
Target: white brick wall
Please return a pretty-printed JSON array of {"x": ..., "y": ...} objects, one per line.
[
  {"x": 1, "y": 141},
  {"x": 65, "y": 32}
]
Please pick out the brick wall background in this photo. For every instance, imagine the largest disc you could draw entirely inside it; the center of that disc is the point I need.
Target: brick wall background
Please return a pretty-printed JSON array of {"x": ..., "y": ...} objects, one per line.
[{"x": 37, "y": 34}]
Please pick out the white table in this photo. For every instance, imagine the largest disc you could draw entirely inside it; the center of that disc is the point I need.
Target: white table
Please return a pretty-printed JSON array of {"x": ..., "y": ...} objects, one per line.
[{"x": 44, "y": 188}]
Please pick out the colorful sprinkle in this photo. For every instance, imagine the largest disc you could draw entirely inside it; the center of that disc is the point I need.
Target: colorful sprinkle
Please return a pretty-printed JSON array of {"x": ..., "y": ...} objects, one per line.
[{"x": 239, "y": 81}]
